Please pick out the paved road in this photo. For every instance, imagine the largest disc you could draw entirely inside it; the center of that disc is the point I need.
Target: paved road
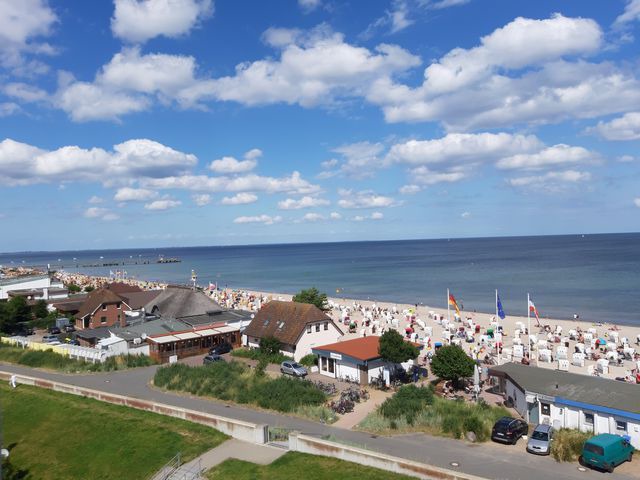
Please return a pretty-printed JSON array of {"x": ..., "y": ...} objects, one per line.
[{"x": 486, "y": 460}]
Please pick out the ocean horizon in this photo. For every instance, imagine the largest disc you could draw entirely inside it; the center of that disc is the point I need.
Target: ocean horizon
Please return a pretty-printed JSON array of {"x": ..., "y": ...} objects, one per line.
[{"x": 593, "y": 275}]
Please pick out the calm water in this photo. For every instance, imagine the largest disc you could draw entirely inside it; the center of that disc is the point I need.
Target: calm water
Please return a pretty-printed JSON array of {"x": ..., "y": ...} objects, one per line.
[{"x": 597, "y": 276}]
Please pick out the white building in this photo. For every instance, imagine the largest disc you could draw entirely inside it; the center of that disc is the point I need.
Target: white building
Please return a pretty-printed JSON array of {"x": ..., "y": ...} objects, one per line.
[
  {"x": 298, "y": 326},
  {"x": 568, "y": 400},
  {"x": 35, "y": 287}
]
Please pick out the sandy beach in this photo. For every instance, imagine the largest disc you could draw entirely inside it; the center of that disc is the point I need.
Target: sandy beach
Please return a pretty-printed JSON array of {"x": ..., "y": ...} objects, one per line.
[{"x": 435, "y": 331}]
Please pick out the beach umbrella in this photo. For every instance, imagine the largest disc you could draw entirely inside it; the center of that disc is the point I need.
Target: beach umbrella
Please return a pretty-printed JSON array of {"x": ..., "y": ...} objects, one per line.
[{"x": 602, "y": 341}]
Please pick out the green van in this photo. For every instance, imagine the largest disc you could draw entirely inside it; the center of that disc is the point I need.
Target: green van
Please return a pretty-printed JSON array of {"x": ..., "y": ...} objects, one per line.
[{"x": 606, "y": 451}]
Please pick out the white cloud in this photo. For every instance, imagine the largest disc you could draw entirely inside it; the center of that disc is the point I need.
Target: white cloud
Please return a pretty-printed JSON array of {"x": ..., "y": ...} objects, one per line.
[
  {"x": 465, "y": 215},
  {"x": 242, "y": 198},
  {"x": 626, "y": 158},
  {"x": 141, "y": 20},
  {"x": 377, "y": 216},
  {"x": 424, "y": 176},
  {"x": 304, "y": 202},
  {"x": 550, "y": 178},
  {"x": 361, "y": 158},
  {"x": 327, "y": 164},
  {"x": 409, "y": 189},
  {"x": 128, "y": 194},
  {"x": 623, "y": 128},
  {"x": 201, "y": 199},
  {"x": 441, "y": 4},
  {"x": 95, "y": 200},
  {"x": 373, "y": 216},
  {"x": 293, "y": 184},
  {"x": 549, "y": 157},
  {"x": 400, "y": 16},
  {"x": 23, "y": 164},
  {"x": 309, "y": 5},
  {"x": 636, "y": 201},
  {"x": 25, "y": 92},
  {"x": 265, "y": 219},
  {"x": 335, "y": 216},
  {"x": 365, "y": 199},
  {"x": 229, "y": 165},
  {"x": 313, "y": 217},
  {"x": 8, "y": 108},
  {"x": 165, "y": 204},
  {"x": 21, "y": 22},
  {"x": 461, "y": 147},
  {"x": 631, "y": 13},
  {"x": 100, "y": 213}
]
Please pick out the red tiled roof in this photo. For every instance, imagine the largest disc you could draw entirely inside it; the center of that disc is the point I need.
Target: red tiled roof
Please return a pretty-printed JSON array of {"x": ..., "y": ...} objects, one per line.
[{"x": 363, "y": 348}]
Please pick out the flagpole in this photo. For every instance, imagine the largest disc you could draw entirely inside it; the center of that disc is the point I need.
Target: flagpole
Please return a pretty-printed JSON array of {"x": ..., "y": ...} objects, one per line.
[
  {"x": 497, "y": 325},
  {"x": 448, "y": 308},
  {"x": 529, "y": 325}
]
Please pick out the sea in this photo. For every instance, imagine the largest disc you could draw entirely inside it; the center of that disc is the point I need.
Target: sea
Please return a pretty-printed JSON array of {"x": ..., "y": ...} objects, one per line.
[{"x": 594, "y": 276}]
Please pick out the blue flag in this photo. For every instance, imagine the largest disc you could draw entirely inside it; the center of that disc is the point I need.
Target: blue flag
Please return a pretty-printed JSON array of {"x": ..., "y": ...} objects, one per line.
[{"x": 500, "y": 309}]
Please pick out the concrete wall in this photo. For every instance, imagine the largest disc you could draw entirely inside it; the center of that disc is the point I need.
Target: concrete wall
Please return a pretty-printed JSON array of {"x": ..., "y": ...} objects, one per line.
[
  {"x": 249, "y": 432},
  {"x": 315, "y": 446}
]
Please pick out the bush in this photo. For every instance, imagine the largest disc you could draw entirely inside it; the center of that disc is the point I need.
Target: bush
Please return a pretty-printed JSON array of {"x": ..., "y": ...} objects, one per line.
[
  {"x": 567, "y": 444},
  {"x": 474, "y": 424},
  {"x": 407, "y": 403},
  {"x": 255, "y": 354},
  {"x": 269, "y": 346},
  {"x": 234, "y": 381},
  {"x": 309, "y": 360}
]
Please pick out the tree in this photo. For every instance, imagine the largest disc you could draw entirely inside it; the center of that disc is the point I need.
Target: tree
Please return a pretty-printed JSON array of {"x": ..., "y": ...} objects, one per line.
[
  {"x": 269, "y": 346},
  {"x": 314, "y": 297},
  {"x": 40, "y": 309},
  {"x": 73, "y": 288},
  {"x": 394, "y": 349},
  {"x": 452, "y": 363},
  {"x": 89, "y": 288}
]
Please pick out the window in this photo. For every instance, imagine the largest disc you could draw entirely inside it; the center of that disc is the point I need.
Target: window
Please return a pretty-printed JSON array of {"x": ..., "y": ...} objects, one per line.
[
  {"x": 119, "y": 306},
  {"x": 308, "y": 328},
  {"x": 104, "y": 306},
  {"x": 266, "y": 322},
  {"x": 588, "y": 419},
  {"x": 103, "y": 319},
  {"x": 621, "y": 427},
  {"x": 317, "y": 327},
  {"x": 332, "y": 366},
  {"x": 323, "y": 363},
  {"x": 545, "y": 409},
  {"x": 280, "y": 325},
  {"x": 326, "y": 326}
]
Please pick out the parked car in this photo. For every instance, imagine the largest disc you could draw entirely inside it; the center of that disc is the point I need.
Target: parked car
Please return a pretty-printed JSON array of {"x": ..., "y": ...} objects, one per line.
[
  {"x": 50, "y": 339},
  {"x": 293, "y": 368},
  {"x": 509, "y": 430},
  {"x": 69, "y": 328},
  {"x": 606, "y": 451},
  {"x": 221, "y": 348},
  {"x": 540, "y": 440},
  {"x": 54, "y": 330},
  {"x": 24, "y": 331},
  {"x": 212, "y": 359}
]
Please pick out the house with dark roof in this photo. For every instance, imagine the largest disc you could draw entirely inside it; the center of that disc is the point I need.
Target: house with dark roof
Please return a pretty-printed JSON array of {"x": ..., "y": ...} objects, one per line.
[
  {"x": 569, "y": 400},
  {"x": 356, "y": 360},
  {"x": 298, "y": 326},
  {"x": 102, "y": 308}
]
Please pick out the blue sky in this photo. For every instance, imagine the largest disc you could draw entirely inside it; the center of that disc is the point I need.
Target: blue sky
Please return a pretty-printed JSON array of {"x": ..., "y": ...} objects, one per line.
[{"x": 209, "y": 122}]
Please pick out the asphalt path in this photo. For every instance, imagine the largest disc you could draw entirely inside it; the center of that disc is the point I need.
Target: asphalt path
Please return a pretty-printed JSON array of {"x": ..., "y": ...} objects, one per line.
[{"x": 487, "y": 460}]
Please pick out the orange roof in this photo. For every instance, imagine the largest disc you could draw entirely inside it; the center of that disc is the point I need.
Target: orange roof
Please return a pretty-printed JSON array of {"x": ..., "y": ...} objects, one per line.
[{"x": 363, "y": 348}]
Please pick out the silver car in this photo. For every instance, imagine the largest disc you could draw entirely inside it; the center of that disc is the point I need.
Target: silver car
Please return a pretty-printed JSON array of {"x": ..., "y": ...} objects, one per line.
[
  {"x": 540, "y": 440},
  {"x": 293, "y": 368}
]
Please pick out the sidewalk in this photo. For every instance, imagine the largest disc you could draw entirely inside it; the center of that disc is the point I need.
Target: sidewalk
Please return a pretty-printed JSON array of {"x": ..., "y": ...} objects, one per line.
[{"x": 362, "y": 409}]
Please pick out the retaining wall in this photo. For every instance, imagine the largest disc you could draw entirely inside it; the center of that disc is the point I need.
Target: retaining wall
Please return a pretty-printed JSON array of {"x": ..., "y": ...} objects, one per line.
[
  {"x": 315, "y": 446},
  {"x": 249, "y": 432}
]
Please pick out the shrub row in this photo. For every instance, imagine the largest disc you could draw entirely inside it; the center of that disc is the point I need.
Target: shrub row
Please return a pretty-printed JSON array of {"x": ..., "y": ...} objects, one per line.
[
  {"x": 54, "y": 361},
  {"x": 256, "y": 354},
  {"x": 234, "y": 381}
]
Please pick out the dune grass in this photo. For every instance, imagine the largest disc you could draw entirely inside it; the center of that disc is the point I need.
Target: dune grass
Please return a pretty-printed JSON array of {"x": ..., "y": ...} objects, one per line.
[
  {"x": 294, "y": 466},
  {"x": 59, "y": 436}
]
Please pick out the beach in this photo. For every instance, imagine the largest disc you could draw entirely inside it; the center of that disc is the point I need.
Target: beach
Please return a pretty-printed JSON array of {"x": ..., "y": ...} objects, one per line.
[{"x": 359, "y": 310}]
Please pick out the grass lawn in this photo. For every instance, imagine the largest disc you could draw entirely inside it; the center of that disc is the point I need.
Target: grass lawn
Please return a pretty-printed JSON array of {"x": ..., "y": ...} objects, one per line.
[
  {"x": 294, "y": 466},
  {"x": 60, "y": 436}
]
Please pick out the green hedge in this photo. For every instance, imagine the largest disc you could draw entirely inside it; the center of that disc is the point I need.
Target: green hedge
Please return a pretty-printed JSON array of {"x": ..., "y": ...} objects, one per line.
[
  {"x": 256, "y": 354},
  {"x": 234, "y": 381},
  {"x": 309, "y": 360},
  {"x": 54, "y": 361}
]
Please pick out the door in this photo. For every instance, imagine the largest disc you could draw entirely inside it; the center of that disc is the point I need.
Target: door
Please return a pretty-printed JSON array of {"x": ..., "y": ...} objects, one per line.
[
  {"x": 364, "y": 374},
  {"x": 533, "y": 413}
]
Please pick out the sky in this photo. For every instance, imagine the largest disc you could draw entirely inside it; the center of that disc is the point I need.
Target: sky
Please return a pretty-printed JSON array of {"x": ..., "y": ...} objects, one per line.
[{"x": 143, "y": 123}]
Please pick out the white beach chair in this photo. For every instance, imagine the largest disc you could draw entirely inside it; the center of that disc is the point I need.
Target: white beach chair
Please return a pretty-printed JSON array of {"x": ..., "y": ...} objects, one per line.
[
  {"x": 578, "y": 359},
  {"x": 544, "y": 355},
  {"x": 573, "y": 334},
  {"x": 602, "y": 366},
  {"x": 563, "y": 365},
  {"x": 507, "y": 354},
  {"x": 588, "y": 337},
  {"x": 561, "y": 353},
  {"x": 428, "y": 331},
  {"x": 518, "y": 353},
  {"x": 591, "y": 369},
  {"x": 592, "y": 331},
  {"x": 517, "y": 341},
  {"x": 612, "y": 356}
]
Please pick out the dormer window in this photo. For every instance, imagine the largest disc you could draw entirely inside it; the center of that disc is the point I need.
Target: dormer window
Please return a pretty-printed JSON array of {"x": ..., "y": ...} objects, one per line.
[
  {"x": 119, "y": 306},
  {"x": 280, "y": 325},
  {"x": 266, "y": 322},
  {"x": 308, "y": 328}
]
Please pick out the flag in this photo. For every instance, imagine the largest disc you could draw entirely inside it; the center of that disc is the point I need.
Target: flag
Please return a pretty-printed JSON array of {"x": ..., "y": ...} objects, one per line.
[
  {"x": 501, "y": 313},
  {"x": 534, "y": 310},
  {"x": 453, "y": 303}
]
